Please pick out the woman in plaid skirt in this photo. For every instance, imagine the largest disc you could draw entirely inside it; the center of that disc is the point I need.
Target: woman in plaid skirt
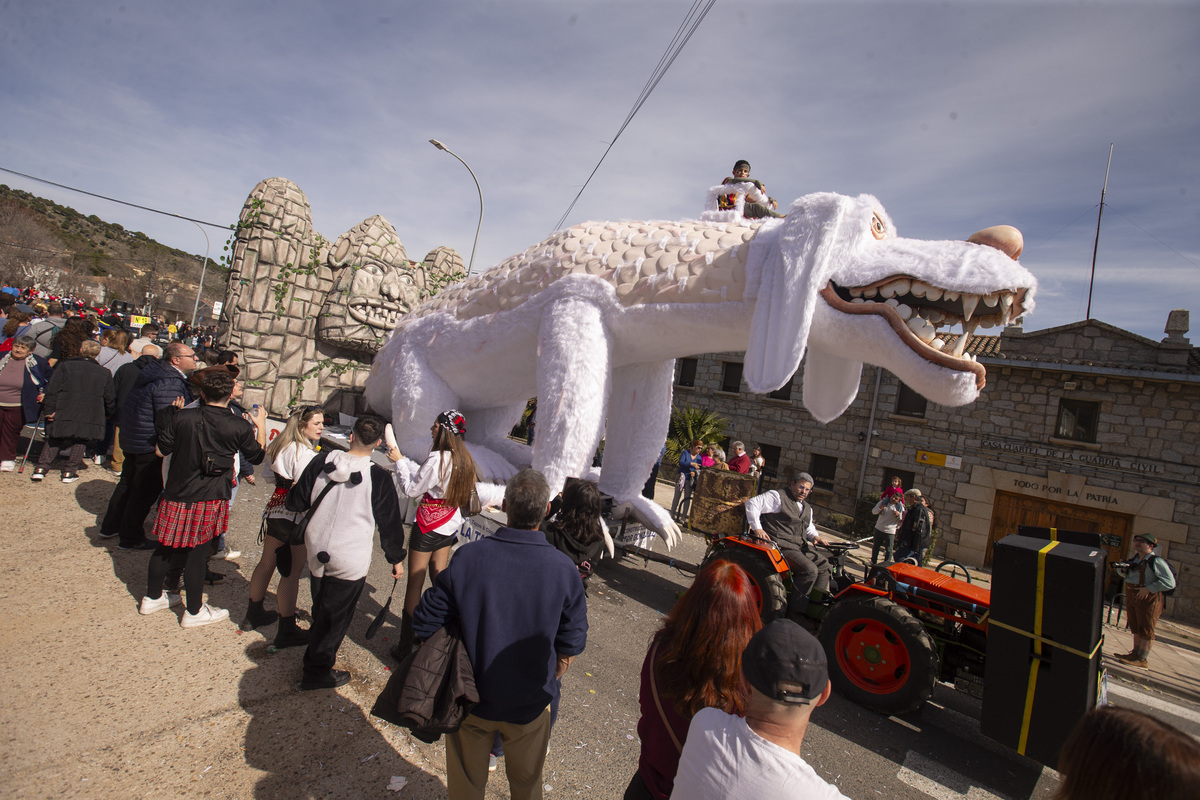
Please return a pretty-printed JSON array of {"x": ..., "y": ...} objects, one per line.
[{"x": 194, "y": 507}]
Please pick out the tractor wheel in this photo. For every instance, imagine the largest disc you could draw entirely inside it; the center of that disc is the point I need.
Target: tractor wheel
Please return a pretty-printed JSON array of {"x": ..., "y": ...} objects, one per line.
[
  {"x": 772, "y": 598},
  {"x": 880, "y": 656}
]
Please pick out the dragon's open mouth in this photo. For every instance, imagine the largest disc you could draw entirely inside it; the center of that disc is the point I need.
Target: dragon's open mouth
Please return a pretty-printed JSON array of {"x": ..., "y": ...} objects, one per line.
[
  {"x": 376, "y": 312},
  {"x": 923, "y": 315}
]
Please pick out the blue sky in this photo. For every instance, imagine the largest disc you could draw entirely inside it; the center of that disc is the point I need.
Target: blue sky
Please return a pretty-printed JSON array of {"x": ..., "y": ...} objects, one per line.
[{"x": 956, "y": 115}]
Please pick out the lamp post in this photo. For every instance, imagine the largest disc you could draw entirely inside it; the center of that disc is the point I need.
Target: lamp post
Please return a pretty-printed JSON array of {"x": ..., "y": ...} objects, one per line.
[
  {"x": 441, "y": 146},
  {"x": 203, "y": 269}
]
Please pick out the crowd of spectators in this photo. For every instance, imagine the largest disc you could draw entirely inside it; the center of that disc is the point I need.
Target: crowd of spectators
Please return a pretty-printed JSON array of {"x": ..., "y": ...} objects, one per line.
[{"x": 725, "y": 702}]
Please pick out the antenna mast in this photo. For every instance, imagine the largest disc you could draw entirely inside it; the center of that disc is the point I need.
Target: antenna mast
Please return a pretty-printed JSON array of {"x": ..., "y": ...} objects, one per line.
[{"x": 1096, "y": 246}]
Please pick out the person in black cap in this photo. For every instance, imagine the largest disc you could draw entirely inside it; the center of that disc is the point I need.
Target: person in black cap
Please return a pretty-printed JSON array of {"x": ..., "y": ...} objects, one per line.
[
  {"x": 1147, "y": 579},
  {"x": 759, "y": 756}
]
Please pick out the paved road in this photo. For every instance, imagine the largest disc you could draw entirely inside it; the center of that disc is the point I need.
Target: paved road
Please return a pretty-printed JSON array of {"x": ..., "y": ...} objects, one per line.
[{"x": 105, "y": 703}]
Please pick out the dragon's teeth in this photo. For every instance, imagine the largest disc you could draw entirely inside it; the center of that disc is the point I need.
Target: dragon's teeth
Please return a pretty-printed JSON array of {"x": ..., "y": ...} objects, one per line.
[
  {"x": 990, "y": 300},
  {"x": 960, "y": 344},
  {"x": 969, "y": 302},
  {"x": 919, "y": 288}
]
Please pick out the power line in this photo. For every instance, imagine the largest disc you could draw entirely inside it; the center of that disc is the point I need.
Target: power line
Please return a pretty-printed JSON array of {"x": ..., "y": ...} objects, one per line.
[
  {"x": 695, "y": 16},
  {"x": 115, "y": 200}
]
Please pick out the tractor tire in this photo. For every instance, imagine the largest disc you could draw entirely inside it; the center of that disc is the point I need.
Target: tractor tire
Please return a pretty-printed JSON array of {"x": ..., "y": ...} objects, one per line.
[
  {"x": 772, "y": 593},
  {"x": 880, "y": 655}
]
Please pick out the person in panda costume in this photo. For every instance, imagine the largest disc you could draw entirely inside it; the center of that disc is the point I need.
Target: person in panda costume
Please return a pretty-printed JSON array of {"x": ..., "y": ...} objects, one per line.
[{"x": 353, "y": 497}]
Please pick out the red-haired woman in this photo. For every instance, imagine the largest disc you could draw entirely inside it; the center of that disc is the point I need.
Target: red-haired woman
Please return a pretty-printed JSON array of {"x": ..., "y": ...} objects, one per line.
[
  {"x": 444, "y": 483},
  {"x": 695, "y": 662},
  {"x": 1118, "y": 753}
]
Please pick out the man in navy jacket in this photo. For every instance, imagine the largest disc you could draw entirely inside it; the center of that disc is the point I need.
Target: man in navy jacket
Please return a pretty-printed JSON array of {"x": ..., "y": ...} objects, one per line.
[
  {"x": 524, "y": 619},
  {"x": 158, "y": 386}
]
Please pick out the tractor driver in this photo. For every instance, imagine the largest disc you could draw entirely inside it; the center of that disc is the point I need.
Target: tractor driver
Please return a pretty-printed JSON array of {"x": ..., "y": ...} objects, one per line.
[{"x": 787, "y": 519}]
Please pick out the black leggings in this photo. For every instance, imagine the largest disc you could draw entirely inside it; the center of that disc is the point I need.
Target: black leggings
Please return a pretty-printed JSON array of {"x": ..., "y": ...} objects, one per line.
[{"x": 192, "y": 560}]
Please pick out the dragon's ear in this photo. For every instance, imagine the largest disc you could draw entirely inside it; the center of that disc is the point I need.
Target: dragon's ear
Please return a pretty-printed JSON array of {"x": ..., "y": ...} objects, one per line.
[{"x": 820, "y": 232}]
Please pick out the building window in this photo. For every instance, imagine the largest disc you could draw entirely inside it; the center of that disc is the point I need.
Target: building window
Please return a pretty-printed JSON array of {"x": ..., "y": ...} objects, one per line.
[
  {"x": 824, "y": 470},
  {"x": 770, "y": 454},
  {"x": 783, "y": 392},
  {"x": 1077, "y": 420},
  {"x": 687, "y": 372},
  {"x": 910, "y": 404},
  {"x": 731, "y": 377}
]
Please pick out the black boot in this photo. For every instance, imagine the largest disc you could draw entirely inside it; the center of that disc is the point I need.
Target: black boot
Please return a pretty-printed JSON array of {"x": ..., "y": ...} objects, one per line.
[
  {"x": 288, "y": 635},
  {"x": 257, "y": 616},
  {"x": 404, "y": 647}
]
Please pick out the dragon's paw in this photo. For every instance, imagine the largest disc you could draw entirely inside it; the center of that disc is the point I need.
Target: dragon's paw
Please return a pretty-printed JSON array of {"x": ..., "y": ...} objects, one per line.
[{"x": 652, "y": 515}]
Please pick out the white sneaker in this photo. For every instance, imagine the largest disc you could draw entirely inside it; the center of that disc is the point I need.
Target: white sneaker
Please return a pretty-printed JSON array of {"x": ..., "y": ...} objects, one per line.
[
  {"x": 229, "y": 555},
  {"x": 492, "y": 763},
  {"x": 208, "y": 615},
  {"x": 165, "y": 600},
  {"x": 98, "y": 460},
  {"x": 7, "y": 466}
]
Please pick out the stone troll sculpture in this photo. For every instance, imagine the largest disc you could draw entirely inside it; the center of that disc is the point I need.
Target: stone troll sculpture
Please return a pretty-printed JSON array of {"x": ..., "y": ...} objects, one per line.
[{"x": 592, "y": 319}]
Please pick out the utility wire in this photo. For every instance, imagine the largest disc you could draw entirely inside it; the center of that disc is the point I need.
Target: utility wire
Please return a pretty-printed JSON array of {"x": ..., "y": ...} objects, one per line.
[
  {"x": 115, "y": 200},
  {"x": 1152, "y": 236},
  {"x": 691, "y": 22}
]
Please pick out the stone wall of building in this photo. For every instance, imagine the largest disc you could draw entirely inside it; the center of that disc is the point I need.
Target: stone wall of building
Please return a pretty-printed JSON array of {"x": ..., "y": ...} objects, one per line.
[{"x": 1142, "y": 469}]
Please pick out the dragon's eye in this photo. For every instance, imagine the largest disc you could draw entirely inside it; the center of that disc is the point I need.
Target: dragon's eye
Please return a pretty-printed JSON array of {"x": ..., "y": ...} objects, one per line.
[{"x": 878, "y": 229}]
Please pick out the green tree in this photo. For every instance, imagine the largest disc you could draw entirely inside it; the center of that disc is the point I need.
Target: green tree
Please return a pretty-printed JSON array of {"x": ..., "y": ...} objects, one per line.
[{"x": 689, "y": 424}]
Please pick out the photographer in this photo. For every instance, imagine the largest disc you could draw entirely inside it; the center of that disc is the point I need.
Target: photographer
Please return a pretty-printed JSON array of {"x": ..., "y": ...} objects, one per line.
[
  {"x": 1146, "y": 578},
  {"x": 890, "y": 510}
]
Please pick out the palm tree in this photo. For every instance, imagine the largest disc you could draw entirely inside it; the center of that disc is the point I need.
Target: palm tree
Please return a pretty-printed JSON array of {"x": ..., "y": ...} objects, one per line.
[{"x": 689, "y": 424}]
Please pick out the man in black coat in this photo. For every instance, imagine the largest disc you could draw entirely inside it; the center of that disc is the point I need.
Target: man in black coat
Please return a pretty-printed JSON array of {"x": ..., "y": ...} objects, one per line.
[
  {"x": 79, "y": 399},
  {"x": 912, "y": 538},
  {"x": 158, "y": 386},
  {"x": 124, "y": 380}
]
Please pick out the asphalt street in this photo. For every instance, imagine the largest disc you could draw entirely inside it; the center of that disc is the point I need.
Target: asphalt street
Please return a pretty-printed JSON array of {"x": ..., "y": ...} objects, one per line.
[{"x": 233, "y": 723}]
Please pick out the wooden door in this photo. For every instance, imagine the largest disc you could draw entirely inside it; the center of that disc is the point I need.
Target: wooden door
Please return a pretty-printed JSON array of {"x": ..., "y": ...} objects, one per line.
[{"x": 1012, "y": 510}]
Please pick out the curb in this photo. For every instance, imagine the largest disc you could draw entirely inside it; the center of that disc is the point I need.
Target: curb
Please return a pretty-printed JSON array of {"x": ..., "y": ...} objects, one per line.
[{"x": 1148, "y": 679}]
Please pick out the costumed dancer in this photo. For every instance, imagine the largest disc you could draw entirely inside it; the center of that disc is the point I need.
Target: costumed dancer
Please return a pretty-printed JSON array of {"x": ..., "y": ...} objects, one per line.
[
  {"x": 444, "y": 483},
  {"x": 289, "y": 453},
  {"x": 352, "y": 497}
]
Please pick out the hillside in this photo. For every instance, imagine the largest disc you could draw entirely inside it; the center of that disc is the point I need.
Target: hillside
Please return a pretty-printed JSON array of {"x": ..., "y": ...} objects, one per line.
[{"x": 60, "y": 250}]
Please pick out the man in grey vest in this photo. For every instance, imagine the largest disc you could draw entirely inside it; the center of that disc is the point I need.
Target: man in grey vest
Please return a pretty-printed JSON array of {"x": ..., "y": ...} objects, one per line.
[{"x": 785, "y": 518}]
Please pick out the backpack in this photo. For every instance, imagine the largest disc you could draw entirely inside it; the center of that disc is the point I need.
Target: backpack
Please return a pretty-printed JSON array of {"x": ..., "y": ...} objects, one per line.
[{"x": 1174, "y": 575}]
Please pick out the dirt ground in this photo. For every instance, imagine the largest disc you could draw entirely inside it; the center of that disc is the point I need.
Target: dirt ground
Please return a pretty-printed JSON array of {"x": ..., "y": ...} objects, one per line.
[{"x": 102, "y": 702}]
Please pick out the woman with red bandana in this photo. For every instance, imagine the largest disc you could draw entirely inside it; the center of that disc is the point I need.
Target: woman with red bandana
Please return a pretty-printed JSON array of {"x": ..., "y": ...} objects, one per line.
[{"x": 444, "y": 483}]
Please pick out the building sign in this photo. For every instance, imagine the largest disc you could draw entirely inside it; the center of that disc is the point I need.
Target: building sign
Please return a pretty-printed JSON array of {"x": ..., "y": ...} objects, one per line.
[
  {"x": 939, "y": 460},
  {"x": 217, "y": 306},
  {"x": 1086, "y": 458}
]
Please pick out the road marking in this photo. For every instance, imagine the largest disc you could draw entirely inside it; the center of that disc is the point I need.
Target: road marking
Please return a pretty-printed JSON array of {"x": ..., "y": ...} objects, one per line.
[
  {"x": 939, "y": 781},
  {"x": 1119, "y": 690}
]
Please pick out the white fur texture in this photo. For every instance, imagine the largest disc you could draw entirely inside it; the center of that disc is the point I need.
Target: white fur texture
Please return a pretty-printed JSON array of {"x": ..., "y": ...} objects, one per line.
[{"x": 596, "y": 342}]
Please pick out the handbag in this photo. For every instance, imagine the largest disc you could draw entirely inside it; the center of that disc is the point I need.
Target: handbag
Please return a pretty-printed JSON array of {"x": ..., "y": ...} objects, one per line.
[{"x": 473, "y": 505}]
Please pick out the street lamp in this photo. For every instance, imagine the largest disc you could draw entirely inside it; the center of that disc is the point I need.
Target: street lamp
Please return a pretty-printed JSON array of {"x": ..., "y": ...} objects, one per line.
[
  {"x": 441, "y": 146},
  {"x": 204, "y": 268}
]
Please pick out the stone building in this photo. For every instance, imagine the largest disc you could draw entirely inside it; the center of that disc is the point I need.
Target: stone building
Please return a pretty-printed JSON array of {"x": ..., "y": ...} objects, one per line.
[{"x": 1083, "y": 427}]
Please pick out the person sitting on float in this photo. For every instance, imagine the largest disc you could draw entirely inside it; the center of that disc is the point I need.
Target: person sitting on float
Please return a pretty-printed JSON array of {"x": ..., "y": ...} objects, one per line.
[{"x": 758, "y": 205}]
